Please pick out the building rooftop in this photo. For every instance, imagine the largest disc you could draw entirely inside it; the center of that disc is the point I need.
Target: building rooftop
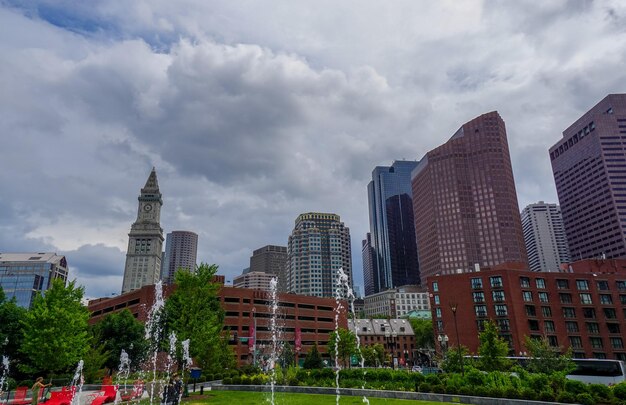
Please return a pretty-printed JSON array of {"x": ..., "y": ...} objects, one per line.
[{"x": 31, "y": 257}]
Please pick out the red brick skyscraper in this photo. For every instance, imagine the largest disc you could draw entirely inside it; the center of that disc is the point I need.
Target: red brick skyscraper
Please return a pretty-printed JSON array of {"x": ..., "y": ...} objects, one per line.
[{"x": 464, "y": 201}]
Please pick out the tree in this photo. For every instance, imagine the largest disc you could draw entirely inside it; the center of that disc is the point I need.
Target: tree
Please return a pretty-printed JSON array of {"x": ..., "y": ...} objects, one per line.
[
  {"x": 287, "y": 356},
  {"x": 313, "y": 359},
  {"x": 95, "y": 360},
  {"x": 424, "y": 334},
  {"x": 547, "y": 359},
  {"x": 11, "y": 316},
  {"x": 121, "y": 331},
  {"x": 492, "y": 349},
  {"x": 55, "y": 330},
  {"x": 374, "y": 355},
  {"x": 452, "y": 360},
  {"x": 193, "y": 312},
  {"x": 344, "y": 347}
]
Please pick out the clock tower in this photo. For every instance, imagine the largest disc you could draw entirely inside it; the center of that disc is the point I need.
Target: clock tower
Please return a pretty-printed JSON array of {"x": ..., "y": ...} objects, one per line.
[{"x": 145, "y": 240}]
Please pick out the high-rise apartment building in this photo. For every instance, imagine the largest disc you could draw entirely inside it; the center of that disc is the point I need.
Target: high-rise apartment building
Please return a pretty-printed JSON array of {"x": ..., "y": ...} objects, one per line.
[
  {"x": 145, "y": 240},
  {"x": 272, "y": 260},
  {"x": 256, "y": 280},
  {"x": 23, "y": 275},
  {"x": 464, "y": 202},
  {"x": 589, "y": 167},
  {"x": 318, "y": 247},
  {"x": 369, "y": 266},
  {"x": 181, "y": 251},
  {"x": 544, "y": 236},
  {"x": 392, "y": 227}
]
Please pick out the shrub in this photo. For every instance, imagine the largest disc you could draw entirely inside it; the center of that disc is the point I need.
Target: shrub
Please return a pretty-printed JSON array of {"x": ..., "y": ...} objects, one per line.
[
  {"x": 585, "y": 399},
  {"x": 575, "y": 387},
  {"x": 546, "y": 395},
  {"x": 495, "y": 392},
  {"x": 433, "y": 379},
  {"x": 424, "y": 387},
  {"x": 619, "y": 391},
  {"x": 466, "y": 390},
  {"x": 566, "y": 397},
  {"x": 529, "y": 394},
  {"x": 475, "y": 377},
  {"x": 418, "y": 378},
  {"x": 438, "y": 389},
  {"x": 600, "y": 391},
  {"x": 227, "y": 381},
  {"x": 512, "y": 393},
  {"x": 481, "y": 391}
]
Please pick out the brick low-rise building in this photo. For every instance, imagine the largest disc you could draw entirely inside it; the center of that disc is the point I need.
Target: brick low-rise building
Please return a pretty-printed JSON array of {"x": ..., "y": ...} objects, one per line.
[
  {"x": 303, "y": 320},
  {"x": 396, "y": 336},
  {"x": 582, "y": 307}
]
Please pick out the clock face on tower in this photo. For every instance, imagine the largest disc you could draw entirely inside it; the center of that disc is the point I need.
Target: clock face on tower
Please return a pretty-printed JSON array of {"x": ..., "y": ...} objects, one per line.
[{"x": 147, "y": 207}]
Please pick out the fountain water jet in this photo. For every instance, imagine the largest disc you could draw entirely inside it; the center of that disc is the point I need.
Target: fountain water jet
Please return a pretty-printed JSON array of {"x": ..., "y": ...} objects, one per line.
[
  {"x": 77, "y": 384},
  {"x": 4, "y": 377},
  {"x": 123, "y": 371},
  {"x": 274, "y": 328},
  {"x": 154, "y": 330}
]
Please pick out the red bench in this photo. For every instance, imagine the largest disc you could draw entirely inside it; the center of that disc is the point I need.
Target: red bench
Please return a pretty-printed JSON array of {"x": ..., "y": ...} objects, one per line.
[
  {"x": 20, "y": 397},
  {"x": 107, "y": 395}
]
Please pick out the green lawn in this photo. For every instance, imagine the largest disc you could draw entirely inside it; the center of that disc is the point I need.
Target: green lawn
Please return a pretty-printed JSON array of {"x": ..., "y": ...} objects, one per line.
[{"x": 281, "y": 398}]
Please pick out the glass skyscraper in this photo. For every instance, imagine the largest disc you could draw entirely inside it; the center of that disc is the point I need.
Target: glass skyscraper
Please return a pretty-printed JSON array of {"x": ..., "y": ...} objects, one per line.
[
  {"x": 392, "y": 228},
  {"x": 23, "y": 275}
]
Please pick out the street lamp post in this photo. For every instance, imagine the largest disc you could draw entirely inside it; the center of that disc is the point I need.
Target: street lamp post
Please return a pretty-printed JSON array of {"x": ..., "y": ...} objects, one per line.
[
  {"x": 453, "y": 308},
  {"x": 255, "y": 336}
]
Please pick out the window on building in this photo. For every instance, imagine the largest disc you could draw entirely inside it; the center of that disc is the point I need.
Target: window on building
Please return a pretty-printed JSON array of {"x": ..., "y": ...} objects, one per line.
[
  {"x": 569, "y": 312},
  {"x": 524, "y": 282},
  {"x": 565, "y": 298},
  {"x": 613, "y": 327},
  {"x": 527, "y": 296},
  {"x": 440, "y": 325},
  {"x": 606, "y": 299},
  {"x": 540, "y": 283},
  {"x": 576, "y": 342},
  {"x": 435, "y": 286},
  {"x": 562, "y": 284},
  {"x": 546, "y": 312},
  {"x": 498, "y": 296},
  {"x": 548, "y": 326},
  {"x": 531, "y": 310},
  {"x": 620, "y": 284},
  {"x": 543, "y": 296},
  {"x": 609, "y": 313},
  {"x": 596, "y": 342},
  {"x": 477, "y": 283},
  {"x": 593, "y": 328},
  {"x": 501, "y": 310},
  {"x": 479, "y": 296},
  {"x": 585, "y": 298},
  {"x": 598, "y": 355},
  {"x": 582, "y": 285},
  {"x": 617, "y": 343},
  {"x": 496, "y": 281},
  {"x": 480, "y": 324},
  {"x": 480, "y": 310},
  {"x": 533, "y": 324},
  {"x": 589, "y": 313},
  {"x": 503, "y": 325},
  {"x": 553, "y": 341},
  {"x": 622, "y": 299},
  {"x": 436, "y": 299},
  {"x": 571, "y": 326},
  {"x": 602, "y": 285},
  {"x": 438, "y": 312}
]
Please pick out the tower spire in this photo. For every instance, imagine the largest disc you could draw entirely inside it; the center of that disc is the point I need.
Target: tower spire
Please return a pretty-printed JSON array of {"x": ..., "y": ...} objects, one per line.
[{"x": 152, "y": 184}]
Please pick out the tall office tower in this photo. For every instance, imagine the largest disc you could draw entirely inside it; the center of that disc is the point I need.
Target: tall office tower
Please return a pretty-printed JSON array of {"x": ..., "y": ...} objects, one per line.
[
  {"x": 145, "y": 240},
  {"x": 392, "y": 226},
  {"x": 369, "y": 266},
  {"x": 544, "y": 236},
  {"x": 181, "y": 251},
  {"x": 271, "y": 259},
  {"x": 318, "y": 247},
  {"x": 23, "y": 275},
  {"x": 464, "y": 201},
  {"x": 589, "y": 167}
]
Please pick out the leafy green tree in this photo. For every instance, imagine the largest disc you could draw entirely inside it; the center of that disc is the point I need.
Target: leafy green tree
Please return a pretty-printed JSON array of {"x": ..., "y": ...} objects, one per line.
[
  {"x": 121, "y": 331},
  {"x": 313, "y": 359},
  {"x": 452, "y": 360},
  {"x": 193, "y": 312},
  {"x": 547, "y": 359},
  {"x": 55, "y": 330},
  {"x": 492, "y": 349},
  {"x": 287, "y": 357},
  {"x": 95, "y": 360},
  {"x": 11, "y": 316},
  {"x": 374, "y": 355},
  {"x": 344, "y": 347},
  {"x": 424, "y": 334}
]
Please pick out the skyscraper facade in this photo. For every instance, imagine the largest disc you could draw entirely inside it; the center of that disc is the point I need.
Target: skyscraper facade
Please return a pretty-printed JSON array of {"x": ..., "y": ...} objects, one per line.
[
  {"x": 544, "y": 236},
  {"x": 392, "y": 227},
  {"x": 318, "y": 247},
  {"x": 464, "y": 201},
  {"x": 24, "y": 275},
  {"x": 271, "y": 259},
  {"x": 181, "y": 251},
  {"x": 369, "y": 266},
  {"x": 145, "y": 240},
  {"x": 589, "y": 167}
]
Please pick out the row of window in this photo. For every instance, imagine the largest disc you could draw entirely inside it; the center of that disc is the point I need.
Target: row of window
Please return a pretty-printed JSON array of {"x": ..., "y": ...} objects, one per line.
[{"x": 540, "y": 283}]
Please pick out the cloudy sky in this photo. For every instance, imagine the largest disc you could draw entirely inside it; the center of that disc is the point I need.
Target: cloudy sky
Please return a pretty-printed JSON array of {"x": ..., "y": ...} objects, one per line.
[{"x": 254, "y": 112}]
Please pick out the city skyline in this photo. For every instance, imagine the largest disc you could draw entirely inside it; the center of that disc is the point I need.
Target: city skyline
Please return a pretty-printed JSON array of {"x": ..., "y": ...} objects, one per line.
[{"x": 254, "y": 113}]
